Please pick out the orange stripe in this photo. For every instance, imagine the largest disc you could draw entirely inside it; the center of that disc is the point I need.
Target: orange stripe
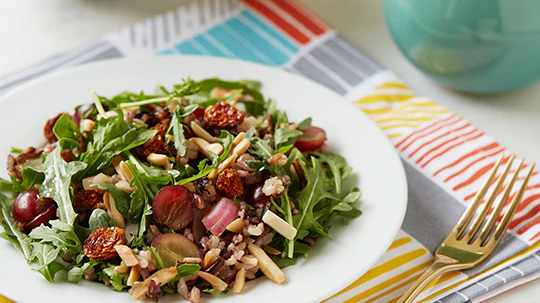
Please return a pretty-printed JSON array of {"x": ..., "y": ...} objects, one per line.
[
  {"x": 299, "y": 16},
  {"x": 497, "y": 152},
  {"x": 443, "y": 144},
  {"x": 430, "y": 132},
  {"x": 278, "y": 21},
  {"x": 479, "y": 173},
  {"x": 535, "y": 236},
  {"x": 528, "y": 226},
  {"x": 384, "y": 268},
  {"x": 399, "y": 242},
  {"x": 439, "y": 137},
  {"x": 473, "y": 153},
  {"x": 533, "y": 212},
  {"x": 450, "y": 148},
  {"x": 387, "y": 283},
  {"x": 424, "y": 129},
  {"x": 527, "y": 201}
]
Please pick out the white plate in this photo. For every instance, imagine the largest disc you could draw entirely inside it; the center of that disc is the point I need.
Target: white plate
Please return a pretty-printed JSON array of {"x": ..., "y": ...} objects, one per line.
[{"x": 331, "y": 266}]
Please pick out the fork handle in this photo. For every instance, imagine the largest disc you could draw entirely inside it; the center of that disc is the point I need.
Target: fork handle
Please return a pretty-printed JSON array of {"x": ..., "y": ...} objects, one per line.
[{"x": 436, "y": 269}]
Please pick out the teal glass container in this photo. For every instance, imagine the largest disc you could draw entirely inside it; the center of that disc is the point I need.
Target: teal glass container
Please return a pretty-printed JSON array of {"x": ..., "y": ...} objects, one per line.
[{"x": 480, "y": 46}]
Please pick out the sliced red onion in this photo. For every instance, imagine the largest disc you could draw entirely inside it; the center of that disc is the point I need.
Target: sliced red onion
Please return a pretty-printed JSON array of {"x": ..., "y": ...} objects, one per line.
[{"x": 221, "y": 215}]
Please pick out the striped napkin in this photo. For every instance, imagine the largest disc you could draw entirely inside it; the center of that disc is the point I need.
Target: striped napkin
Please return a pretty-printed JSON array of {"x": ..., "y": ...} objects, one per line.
[{"x": 445, "y": 157}]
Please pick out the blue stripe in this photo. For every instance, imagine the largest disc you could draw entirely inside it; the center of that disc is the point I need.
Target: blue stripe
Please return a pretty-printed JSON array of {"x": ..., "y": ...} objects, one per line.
[
  {"x": 165, "y": 52},
  {"x": 187, "y": 48},
  {"x": 214, "y": 51},
  {"x": 233, "y": 45},
  {"x": 271, "y": 31},
  {"x": 265, "y": 47}
]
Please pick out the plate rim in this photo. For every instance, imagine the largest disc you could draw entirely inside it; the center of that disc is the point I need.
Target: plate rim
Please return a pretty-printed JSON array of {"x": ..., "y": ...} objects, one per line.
[{"x": 396, "y": 225}]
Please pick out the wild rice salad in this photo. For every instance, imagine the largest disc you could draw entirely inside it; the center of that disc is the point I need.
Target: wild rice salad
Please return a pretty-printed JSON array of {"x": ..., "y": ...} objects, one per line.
[{"x": 192, "y": 190}]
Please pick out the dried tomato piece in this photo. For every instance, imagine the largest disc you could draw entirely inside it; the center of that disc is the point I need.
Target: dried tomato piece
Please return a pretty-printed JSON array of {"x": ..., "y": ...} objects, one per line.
[
  {"x": 29, "y": 154},
  {"x": 156, "y": 145},
  {"x": 230, "y": 184},
  {"x": 87, "y": 200},
  {"x": 101, "y": 242},
  {"x": 48, "y": 129},
  {"x": 223, "y": 115},
  {"x": 12, "y": 167}
]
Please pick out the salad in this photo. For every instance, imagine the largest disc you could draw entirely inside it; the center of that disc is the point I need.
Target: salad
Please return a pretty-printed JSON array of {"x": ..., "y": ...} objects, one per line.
[{"x": 191, "y": 190}]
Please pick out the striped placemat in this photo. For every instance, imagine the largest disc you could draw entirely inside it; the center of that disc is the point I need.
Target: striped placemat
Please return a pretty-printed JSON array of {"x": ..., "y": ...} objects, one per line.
[{"x": 445, "y": 157}]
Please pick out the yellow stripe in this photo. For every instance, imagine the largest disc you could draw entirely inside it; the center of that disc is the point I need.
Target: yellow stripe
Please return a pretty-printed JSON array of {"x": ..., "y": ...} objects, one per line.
[
  {"x": 385, "y": 98},
  {"x": 399, "y": 242},
  {"x": 400, "y": 125},
  {"x": 393, "y": 289},
  {"x": 395, "y": 135},
  {"x": 387, "y": 283},
  {"x": 392, "y": 85},
  {"x": 389, "y": 110},
  {"x": 384, "y": 268},
  {"x": 418, "y": 119},
  {"x": 423, "y": 104}
]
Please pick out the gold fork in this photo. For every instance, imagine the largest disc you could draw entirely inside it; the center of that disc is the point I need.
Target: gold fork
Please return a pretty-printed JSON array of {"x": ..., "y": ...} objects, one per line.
[{"x": 467, "y": 247}]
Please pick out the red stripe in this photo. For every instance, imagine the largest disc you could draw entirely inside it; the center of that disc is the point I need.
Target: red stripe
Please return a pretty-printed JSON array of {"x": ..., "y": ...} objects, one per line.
[
  {"x": 300, "y": 16},
  {"x": 434, "y": 149},
  {"x": 424, "y": 129},
  {"x": 278, "y": 21},
  {"x": 437, "y": 138},
  {"x": 528, "y": 226},
  {"x": 473, "y": 153},
  {"x": 431, "y": 132},
  {"x": 528, "y": 215},
  {"x": 535, "y": 236},
  {"x": 473, "y": 163},
  {"x": 527, "y": 201},
  {"x": 475, "y": 176},
  {"x": 452, "y": 147}
]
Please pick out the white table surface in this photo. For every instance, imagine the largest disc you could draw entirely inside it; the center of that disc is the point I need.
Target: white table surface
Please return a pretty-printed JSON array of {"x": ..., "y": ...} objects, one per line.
[{"x": 33, "y": 29}]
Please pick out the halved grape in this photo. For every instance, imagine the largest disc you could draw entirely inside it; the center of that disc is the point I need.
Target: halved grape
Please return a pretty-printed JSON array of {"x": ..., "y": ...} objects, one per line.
[
  {"x": 30, "y": 210},
  {"x": 312, "y": 139},
  {"x": 173, "y": 247},
  {"x": 174, "y": 207}
]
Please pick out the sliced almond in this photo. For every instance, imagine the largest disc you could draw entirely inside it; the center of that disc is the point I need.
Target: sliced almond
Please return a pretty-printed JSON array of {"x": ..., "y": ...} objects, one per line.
[
  {"x": 134, "y": 276},
  {"x": 268, "y": 267},
  {"x": 241, "y": 148},
  {"x": 163, "y": 276},
  {"x": 108, "y": 200},
  {"x": 124, "y": 186},
  {"x": 127, "y": 255},
  {"x": 216, "y": 282},
  {"x": 87, "y": 125},
  {"x": 239, "y": 281},
  {"x": 279, "y": 225},
  {"x": 210, "y": 257},
  {"x": 236, "y": 226},
  {"x": 99, "y": 178},
  {"x": 222, "y": 166},
  {"x": 191, "y": 260},
  {"x": 201, "y": 132},
  {"x": 158, "y": 159},
  {"x": 122, "y": 169},
  {"x": 256, "y": 230}
]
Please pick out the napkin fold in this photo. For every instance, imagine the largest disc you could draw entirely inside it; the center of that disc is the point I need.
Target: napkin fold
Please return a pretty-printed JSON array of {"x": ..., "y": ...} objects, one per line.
[{"x": 445, "y": 157}]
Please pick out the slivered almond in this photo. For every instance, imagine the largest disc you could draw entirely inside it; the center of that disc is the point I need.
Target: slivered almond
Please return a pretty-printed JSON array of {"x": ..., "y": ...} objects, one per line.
[
  {"x": 99, "y": 178},
  {"x": 238, "y": 138},
  {"x": 216, "y": 282},
  {"x": 222, "y": 166},
  {"x": 88, "y": 125},
  {"x": 241, "y": 148},
  {"x": 210, "y": 257},
  {"x": 108, "y": 200},
  {"x": 158, "y": 159},
  {"x": 236, "y": 226},
  {"x": 190, "y": 186},
  {"x": 281, "y": 226},
  {"x": 268, "y": 267},
  {"x": 216, "y": 148},
  {"x": 127, "y": 255},
  {"x": 122, "y": 169},
  {"x": 121, "y": 269},
  {"x": 269, "y": 249},
  {"x": 163, "y": 276},
  {"x": 201, "y": 132},
  {"x": 134, "y": 276},
  {"x": 205, "y": 147},
  {"x": 108, "y": 114},
  {"x": 239, "y": 281}
]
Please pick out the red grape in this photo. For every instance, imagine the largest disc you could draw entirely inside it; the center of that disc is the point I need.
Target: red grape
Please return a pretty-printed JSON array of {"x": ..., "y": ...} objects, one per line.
[
  {"x": 174, "y": 207},
  {"x": 256, "y": 197},
  {"x": 173, "y": 247},
  {"x": 30, "y": 210},
  {"x": 312, "y": 139}
]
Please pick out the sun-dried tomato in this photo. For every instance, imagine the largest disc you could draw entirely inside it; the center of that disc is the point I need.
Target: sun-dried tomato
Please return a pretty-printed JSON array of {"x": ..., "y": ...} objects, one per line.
[
  {"x": 223, "y": 115},
  {"x": 12, "y": 167},
  {"x": 87, "y": 200},
  {"x": 29, "y": 154},
  {"x": 48, "y": 129},
  {"x": 157, "y": 144},
  {"x": 101, "y": 242},
  {"x": 230, "y": 184}
]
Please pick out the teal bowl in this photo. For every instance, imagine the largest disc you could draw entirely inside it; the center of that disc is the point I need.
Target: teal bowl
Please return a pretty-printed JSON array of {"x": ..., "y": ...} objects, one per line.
[{"x": 480, "y": 46}]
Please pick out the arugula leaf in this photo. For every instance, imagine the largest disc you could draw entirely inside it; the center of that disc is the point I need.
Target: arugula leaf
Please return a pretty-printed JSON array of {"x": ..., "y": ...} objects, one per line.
[
  {"x": 60, "y": 235},
  {"x": 156, "y": 257},
  {"x": 226, "y": 139},
  {"x": 338, "y": 167},
  {"x": 99, "y": 218},
  {"x": 118, "y": 281},
  {"x": 204, "y": 169},
  {"x": 140, "y": 200},
  {"x": 185, "y": 270},
  {"x": 178, "y": 128},
  {"x": 112, "y": 136},
  {"x": 5, "y": 185},
  {"x": 343, "y": 208},
  {"x": 285, "y": 137},
  {"x": 11, "y": 233},
  {"x": 305, "y": 123},
  {"x": 76, "y": 273},
  {"x": 67, "y": 132},
  {"x": 46, "y": 254},
  {"x": 56, "y": 185},
  {"x": 30, "y": 177},
  {"x": 261, "y": 148},
  {"x": 122, "y": 201}
]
